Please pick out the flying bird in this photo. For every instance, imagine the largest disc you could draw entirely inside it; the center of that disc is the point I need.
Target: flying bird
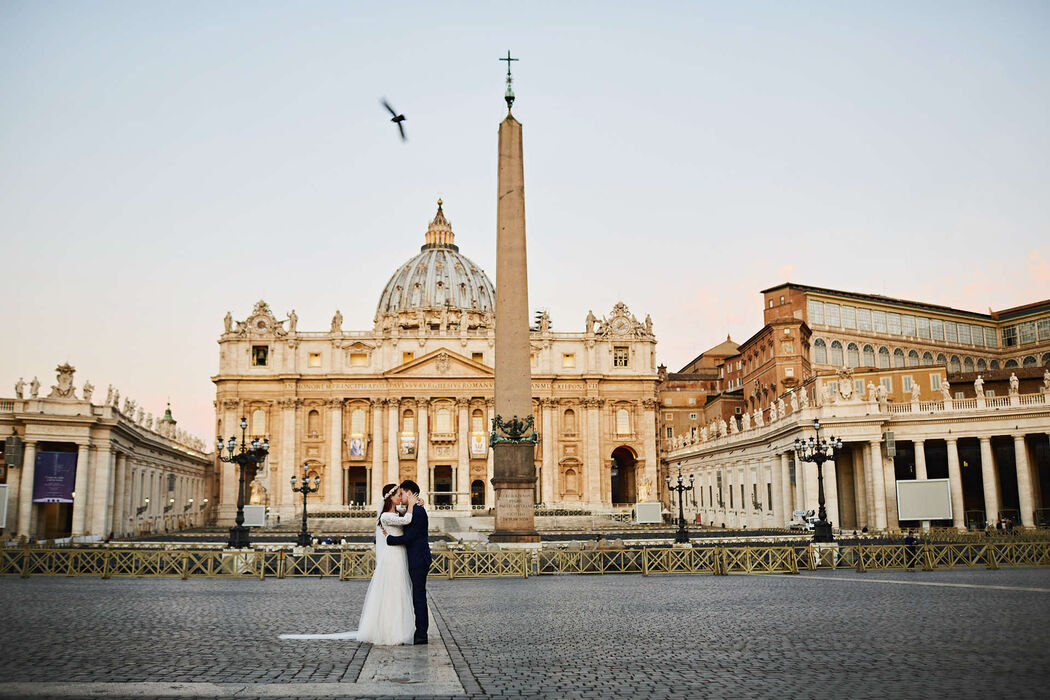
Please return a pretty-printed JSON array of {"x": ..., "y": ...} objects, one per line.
[{"x": 398, "y": 118}]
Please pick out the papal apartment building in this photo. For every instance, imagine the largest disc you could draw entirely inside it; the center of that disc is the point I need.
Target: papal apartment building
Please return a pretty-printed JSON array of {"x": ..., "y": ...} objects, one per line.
[{"x": 963, "y": 395}]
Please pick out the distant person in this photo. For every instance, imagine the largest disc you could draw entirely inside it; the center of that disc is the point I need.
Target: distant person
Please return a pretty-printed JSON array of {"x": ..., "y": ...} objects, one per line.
[{"x": 912, "y": 545}]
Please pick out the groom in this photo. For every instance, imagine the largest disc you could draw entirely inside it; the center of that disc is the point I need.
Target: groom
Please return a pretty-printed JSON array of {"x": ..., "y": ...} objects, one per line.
[{"x": 417, "y": 547}]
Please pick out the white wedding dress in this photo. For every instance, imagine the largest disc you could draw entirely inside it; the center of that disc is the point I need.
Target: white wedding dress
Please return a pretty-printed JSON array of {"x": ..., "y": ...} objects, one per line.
[{"x": 386, "y": 617}]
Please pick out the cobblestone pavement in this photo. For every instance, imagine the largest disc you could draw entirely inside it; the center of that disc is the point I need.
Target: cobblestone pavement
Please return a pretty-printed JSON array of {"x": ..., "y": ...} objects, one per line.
[{"x": 963, "y": 634}]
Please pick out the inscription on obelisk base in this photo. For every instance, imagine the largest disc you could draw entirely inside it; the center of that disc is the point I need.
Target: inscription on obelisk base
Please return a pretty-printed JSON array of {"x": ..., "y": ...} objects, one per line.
[{"x": 514, "y": 486}]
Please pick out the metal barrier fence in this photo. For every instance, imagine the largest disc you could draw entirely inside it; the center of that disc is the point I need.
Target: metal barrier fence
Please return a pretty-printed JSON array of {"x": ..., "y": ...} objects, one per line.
[{"x": 522, "y": 563}]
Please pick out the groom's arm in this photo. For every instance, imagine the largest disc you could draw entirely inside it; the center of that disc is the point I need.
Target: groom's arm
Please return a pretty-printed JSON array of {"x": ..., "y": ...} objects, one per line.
[{"x": 413, "y": 531}]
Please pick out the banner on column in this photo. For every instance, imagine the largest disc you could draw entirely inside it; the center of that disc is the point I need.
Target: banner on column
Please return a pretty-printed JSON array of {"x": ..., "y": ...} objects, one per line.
[
  {"x": 478, "y": 445},
  {"x": 55, "y": 477},
  {"x": 357, "y": 446},
  {"x": 408, "y": 445}
]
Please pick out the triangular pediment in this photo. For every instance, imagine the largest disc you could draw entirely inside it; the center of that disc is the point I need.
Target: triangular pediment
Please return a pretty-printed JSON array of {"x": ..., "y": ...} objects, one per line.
[{"x": 441, "y": 363}]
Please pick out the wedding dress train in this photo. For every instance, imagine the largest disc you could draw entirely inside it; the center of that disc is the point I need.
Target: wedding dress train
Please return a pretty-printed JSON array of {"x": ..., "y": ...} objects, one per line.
[{"x": 386, "y": 616}]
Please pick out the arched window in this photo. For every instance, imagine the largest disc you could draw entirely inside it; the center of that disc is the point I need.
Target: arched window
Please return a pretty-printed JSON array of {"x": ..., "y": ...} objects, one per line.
[
  {"x": 884, "y": 358},
  {"x": 982, "y": 365},
  {"x": 258, "y": 422},
  {"x": 408, "y": 421},
  {"x": 1028, "y": 361},
  {"x": 968, "y": 364},
  {"x": 477, "y": 421},
  {"x": 869, "y": 356},
  {"x": 956, "y": 364},
  {"x": 313, "y": 423},
  {"x": 820, "y": 351},
  {"x": 853, "y": 355},
  {"x": 927, "y": 358},
  {"x": 443, "y": 421},
  {"x": 623, "y": 422},
  {"x": 477, "y": 492},
  {"x": 568, "y": 422},
  {"x": 1010, "y": 364},
  {"x": 942, "y": 360},
  {"x": 994, "y": 364},
  {"x": 357, "y": 421},
  {"x": 836, "y": 353},
  {"x": 898, "y": 357},
  {"x": 913, "y": 358},
  {"x": 1046, "y": 358}
]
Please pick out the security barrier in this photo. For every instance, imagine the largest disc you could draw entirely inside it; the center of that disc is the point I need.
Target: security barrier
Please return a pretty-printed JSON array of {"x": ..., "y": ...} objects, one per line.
[{"x": 454, "y": 564}]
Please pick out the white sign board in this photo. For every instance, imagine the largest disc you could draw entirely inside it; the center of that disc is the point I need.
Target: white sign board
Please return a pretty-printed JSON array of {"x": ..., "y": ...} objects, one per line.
[
  {"x": 648, "y": 513},
  {"x": 926, "y": 499},
  {"x": 255, "y": 516}
]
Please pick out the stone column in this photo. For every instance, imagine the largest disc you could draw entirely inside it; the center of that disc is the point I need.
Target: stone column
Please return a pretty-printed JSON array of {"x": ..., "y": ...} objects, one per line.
[
  {"x": 99, "y": 491},
  {"x": 377, "y": 446},
  {"x": 1024, "y": 482},
  {"x": 548, "y": 468},
  {"x": 800, "y": 485},
  {"x": 990, "y": 481},
  {"x": 422, "y": 450},
  {"x": 831, "y": 493},
  {"x": 860, "y": 488},
  {"x": 120, "y": 493},
  {"x": 649, "y": 454},
  {"x": 920, "y": 459},
  {"x": 812, "y": 492},
  {"x": 591, "y": 438},
  {"x": 878, "y": 479},
  {"x": 25, "y": 495},
  {"x": 890, "y": 477},
  {"x": 955, "y": 484},
  {"x": 335, "y": 494},
  {"x": 785, "y": 490},
  {"x": 287, "y": 468},
  {"x": 82, "y": 500},
  {"x": 462, "y": 471},
  {"x": 393, "y": 459},
  {"x": 490, "y": 493},
  {"x": 748, "y": 479}
]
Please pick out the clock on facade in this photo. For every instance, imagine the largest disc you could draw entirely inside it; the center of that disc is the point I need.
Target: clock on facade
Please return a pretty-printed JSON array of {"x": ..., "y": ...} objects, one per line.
[{"x": 620, "y": 325}]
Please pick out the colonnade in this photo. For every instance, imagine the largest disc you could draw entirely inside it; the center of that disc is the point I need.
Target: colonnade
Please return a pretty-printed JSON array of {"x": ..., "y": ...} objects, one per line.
[
  {"x": 761, "y": 487},
  {"x": 111, "y": 483}
]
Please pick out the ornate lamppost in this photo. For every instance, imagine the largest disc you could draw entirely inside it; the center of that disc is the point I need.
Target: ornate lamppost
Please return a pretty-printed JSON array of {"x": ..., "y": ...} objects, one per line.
[
  {"x": 304, "y": 538},
  {"x": 682, "y": 535},
  {"x": 250, "y": 455},
  {"x": 819, "y": 451}
]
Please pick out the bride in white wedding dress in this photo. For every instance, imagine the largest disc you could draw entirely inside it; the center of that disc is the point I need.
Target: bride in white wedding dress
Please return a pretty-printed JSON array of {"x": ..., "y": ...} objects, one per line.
[{"x": 386, "y": 616}]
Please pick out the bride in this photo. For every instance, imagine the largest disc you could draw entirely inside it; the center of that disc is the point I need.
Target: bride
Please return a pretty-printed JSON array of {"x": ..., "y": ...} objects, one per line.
[{"x": 386, "y": 617}]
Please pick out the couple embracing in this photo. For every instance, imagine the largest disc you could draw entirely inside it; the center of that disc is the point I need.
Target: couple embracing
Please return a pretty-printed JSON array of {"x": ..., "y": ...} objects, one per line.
[{"x": 395, "y": 609}]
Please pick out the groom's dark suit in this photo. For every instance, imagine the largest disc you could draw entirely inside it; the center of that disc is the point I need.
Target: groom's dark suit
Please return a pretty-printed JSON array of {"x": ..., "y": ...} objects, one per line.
[{"x": 417, "y": 546}]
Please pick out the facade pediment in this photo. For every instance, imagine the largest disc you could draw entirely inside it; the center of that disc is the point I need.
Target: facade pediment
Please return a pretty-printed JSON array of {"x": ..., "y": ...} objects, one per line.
[{"x": 439, "y": 363}]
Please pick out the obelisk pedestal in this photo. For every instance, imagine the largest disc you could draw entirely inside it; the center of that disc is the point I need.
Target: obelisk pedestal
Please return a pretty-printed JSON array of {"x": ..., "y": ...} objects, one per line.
[{"x": 514, "y": 470}]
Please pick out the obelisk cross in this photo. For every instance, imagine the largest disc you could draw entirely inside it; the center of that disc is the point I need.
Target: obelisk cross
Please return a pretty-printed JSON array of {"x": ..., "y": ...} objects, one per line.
[{"x": 509, "y": 97}]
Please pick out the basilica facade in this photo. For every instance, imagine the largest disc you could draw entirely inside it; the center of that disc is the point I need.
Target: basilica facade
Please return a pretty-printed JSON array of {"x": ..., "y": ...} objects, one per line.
[{"x": 412, "y": 398}]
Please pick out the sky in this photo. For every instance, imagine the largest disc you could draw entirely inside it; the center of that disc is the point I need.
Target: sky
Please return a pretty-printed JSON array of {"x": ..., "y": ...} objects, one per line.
[{"x": 162, "y": 163}]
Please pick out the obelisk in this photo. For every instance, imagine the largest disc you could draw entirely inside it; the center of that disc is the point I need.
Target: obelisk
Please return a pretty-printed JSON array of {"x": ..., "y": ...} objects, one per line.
[{"x": 513, "y": 438}]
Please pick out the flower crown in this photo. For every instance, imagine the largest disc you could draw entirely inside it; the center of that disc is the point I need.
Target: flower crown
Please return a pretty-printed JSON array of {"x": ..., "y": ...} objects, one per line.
[{"x": 391, "y": 492}]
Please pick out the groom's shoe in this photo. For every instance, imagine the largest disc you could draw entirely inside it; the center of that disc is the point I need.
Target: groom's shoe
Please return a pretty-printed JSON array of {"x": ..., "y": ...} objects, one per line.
[{"x": 421, "y": 640}]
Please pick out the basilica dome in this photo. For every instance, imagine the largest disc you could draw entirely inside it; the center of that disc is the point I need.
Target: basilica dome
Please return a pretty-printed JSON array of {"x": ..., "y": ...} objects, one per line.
[{"x": 438, "y": 283}]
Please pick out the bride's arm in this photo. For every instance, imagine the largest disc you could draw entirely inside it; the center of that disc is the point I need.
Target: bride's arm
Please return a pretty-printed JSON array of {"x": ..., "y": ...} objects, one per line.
[{"x": 391, "y": 518}]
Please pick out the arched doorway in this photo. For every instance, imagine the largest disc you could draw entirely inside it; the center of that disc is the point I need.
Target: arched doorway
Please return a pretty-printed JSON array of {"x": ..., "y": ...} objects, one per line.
[
  {"x": 477, "y": 492},
  {"x": 622, "y": 474}
]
